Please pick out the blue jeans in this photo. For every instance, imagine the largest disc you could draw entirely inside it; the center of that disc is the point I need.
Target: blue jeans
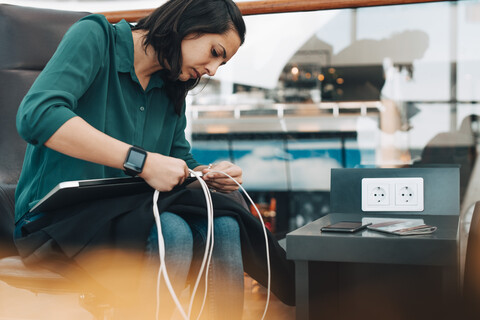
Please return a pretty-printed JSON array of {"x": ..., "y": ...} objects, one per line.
[{"x": 185, "y": 241}]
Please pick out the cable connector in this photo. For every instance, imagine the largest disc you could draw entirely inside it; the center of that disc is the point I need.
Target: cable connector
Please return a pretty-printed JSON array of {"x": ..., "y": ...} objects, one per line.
[{"x": 194, "y": 174}]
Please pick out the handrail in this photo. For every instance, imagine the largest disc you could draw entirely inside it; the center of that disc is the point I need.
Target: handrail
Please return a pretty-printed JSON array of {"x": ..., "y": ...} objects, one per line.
[{"x": 275, "y": 6}]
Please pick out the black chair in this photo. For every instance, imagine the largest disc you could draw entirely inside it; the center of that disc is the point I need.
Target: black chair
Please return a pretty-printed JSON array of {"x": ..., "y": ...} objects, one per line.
[
  {"x": 456, "y": 147},
  {"x": 471, "y": 279},
  {"x": 28, "y": 38}
]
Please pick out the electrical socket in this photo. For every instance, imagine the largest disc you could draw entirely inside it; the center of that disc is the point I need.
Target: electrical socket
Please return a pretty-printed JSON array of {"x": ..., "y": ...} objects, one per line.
[
  {"x": 378, "y": 194},
  {"x": 392, "y": 194},
  {"x": 406, "y": 194}
]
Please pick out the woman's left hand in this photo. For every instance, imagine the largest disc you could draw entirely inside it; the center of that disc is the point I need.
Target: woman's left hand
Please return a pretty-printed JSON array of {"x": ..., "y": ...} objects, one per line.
[{"x": 219, "y": 181}]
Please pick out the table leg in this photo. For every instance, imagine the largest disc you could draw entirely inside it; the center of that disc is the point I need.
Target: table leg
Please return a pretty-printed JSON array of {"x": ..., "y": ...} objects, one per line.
[
  {"x": 316, "y": 290},
  {"x": 301, "y": 289}
]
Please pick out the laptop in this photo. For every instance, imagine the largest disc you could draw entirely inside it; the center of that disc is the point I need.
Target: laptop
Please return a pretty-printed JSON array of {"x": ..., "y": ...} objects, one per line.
[{"x": 73, "y": 192}]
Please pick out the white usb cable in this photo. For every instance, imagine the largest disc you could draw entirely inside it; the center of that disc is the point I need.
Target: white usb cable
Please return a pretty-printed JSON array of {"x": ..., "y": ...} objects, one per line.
[
  {"x": 206, "y": 258},
  {"x": 265, "y": 235},
  {"x": 207, "y": 254}
]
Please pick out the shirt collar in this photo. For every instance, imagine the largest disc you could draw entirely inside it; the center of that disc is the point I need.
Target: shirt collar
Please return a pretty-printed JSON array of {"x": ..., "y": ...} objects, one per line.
[
  {"x": 124, "y": 54},
  {"x": 124, "y": 46}
]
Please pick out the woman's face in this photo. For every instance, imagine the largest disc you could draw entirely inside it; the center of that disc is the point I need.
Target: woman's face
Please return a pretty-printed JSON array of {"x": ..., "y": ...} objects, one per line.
[{"x": 205, "y": 53}]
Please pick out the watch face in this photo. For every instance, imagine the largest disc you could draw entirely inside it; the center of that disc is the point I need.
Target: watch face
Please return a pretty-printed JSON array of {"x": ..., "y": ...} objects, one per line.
[{"x": 135, "y": 160}]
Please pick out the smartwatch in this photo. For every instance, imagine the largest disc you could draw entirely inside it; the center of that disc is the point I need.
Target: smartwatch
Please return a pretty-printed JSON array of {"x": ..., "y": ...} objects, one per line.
[{"x": 135, "y": 161}]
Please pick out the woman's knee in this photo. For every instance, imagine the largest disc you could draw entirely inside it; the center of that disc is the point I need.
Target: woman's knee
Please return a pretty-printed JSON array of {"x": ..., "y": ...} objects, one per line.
[
  {"x": 176, "y": 233},
  {"x": 226, "y": 227},
  {"x": 227, "y": 238},
  {"x": 226, "y": 233}
]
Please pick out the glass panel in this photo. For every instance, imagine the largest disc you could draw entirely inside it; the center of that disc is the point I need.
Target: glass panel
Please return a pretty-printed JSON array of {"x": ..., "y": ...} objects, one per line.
[
  {"x": 264, "y": 164},
  {"x": 387, "y": 82},
  {"x": 468, "y": 73},
  {"x": 210, "y": 151},
  {"x": 311, "y": 161},
  {"x": 414, "y": 50}
]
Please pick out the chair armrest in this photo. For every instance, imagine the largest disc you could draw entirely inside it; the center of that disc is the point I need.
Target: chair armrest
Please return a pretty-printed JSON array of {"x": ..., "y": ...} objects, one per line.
[
  {"x": 7, "y": 220},
  {"x": 7, "y": 199}
]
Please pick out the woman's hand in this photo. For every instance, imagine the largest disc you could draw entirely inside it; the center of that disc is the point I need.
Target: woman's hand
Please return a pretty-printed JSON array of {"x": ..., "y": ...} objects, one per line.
[
  {"x": 219, "y": 181},
  {"x": 163, "y": 173}
]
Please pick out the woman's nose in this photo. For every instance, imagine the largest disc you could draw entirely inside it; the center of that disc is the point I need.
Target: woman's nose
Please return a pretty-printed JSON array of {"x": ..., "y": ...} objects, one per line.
[{"x": 212, "y": 68}]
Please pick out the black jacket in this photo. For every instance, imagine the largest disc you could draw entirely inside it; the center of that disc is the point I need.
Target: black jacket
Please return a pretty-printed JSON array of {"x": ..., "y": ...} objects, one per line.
[{"x": 65, "y": 240}]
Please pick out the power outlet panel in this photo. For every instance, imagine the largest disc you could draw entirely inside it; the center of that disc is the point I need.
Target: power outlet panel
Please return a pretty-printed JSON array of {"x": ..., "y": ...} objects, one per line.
[{"x": 392, "y": 194}]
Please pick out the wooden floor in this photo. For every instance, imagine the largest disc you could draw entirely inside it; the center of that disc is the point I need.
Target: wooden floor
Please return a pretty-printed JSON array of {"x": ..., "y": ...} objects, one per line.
[
  {"x": 19, "y": 304},
  {"x": 255, "y": 299}
]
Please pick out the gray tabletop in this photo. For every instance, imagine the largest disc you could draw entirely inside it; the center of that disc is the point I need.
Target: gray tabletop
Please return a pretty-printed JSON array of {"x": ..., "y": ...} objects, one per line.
[{"x": 437, "y": 249}]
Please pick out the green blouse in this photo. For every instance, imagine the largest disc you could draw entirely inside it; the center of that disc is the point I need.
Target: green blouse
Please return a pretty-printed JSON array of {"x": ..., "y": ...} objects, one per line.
[{"x": 91, "y": 75}]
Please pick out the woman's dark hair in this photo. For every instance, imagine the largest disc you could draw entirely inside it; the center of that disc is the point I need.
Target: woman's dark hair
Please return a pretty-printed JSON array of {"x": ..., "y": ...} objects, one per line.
[{"x": 170, "y": 23}]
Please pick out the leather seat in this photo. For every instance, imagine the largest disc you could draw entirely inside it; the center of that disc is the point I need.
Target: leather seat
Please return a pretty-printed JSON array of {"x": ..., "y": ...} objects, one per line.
[
  {"x": 471, "y": 278},
  {"x": 28, "y": 37}
]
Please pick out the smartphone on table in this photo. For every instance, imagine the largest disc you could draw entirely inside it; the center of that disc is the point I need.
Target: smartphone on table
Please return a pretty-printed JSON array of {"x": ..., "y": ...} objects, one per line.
[{"x": 345, "y": 226}]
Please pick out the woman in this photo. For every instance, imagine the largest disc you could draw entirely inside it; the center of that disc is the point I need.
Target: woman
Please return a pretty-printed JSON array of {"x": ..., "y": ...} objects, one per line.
[{"x": 110, "y": 102}]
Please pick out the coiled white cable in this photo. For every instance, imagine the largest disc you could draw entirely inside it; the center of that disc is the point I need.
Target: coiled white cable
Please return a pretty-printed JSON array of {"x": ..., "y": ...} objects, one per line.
[
  {"x": 208, "y": 247},
  {"x": 269, "y": 275},
  {"x": 208, "y": 251},
  {"x": 205, "y": 261}
]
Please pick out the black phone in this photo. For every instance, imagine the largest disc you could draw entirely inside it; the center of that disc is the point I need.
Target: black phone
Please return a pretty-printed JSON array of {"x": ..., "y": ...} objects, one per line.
[{"x": 345, "y": 226}]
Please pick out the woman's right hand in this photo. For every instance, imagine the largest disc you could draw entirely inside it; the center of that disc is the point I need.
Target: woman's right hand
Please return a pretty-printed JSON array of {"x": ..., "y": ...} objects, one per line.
[{"x": 163, "y": 173}]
